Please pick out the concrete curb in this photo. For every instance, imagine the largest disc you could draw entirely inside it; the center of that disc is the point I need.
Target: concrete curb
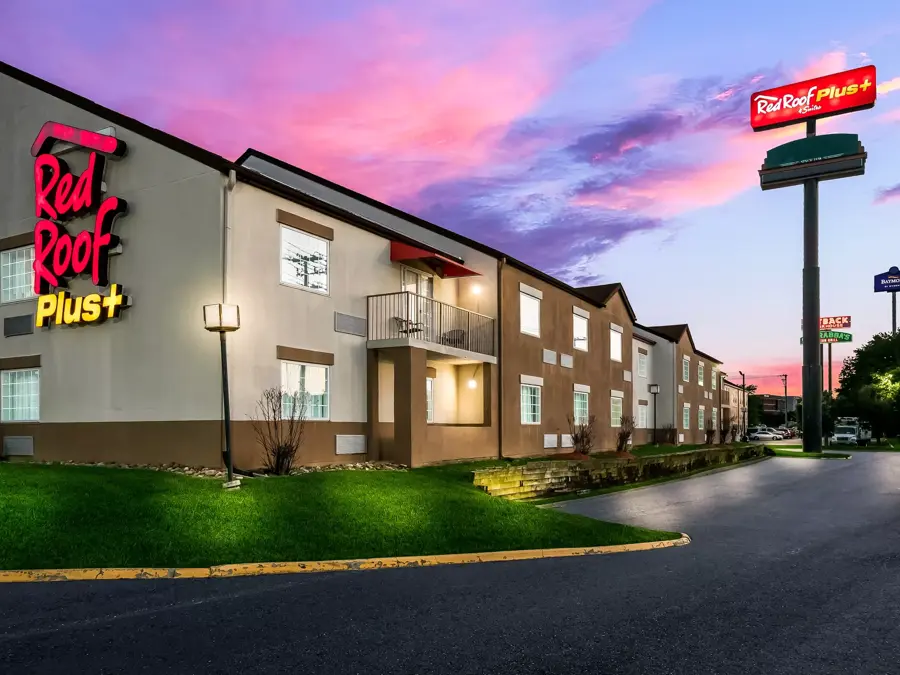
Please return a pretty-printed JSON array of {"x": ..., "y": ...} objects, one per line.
[{"x": 260, "y": 569}]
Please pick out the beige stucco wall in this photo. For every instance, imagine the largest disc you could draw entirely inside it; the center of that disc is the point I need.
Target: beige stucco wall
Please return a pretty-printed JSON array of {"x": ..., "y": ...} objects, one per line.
[{"x": 157, "y": 362}]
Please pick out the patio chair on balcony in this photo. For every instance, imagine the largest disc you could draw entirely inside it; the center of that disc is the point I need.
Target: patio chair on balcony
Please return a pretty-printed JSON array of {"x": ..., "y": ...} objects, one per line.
[
  {"x": 408, "y": 327},
  {"x": 454, "y": 338}
]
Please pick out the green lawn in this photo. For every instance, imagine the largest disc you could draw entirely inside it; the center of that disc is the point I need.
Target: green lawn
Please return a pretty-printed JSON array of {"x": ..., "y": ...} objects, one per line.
[
  {"x": 70, "y": 516},
  {"x": 777, "y": 451},
  {"x": 653, "y": 450}
]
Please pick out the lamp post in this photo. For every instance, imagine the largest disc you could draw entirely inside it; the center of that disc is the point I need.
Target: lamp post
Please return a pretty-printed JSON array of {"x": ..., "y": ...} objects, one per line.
[
  {"x": 222, "y": 319},
  {"x": 654, "y": 390}
]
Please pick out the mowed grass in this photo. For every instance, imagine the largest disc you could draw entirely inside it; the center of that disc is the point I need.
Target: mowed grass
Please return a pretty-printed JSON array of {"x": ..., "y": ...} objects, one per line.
[
  {"x": 777, "y": 451},
  {"x": 655, "y": 450},
  {"x": 70, "y": 516}
]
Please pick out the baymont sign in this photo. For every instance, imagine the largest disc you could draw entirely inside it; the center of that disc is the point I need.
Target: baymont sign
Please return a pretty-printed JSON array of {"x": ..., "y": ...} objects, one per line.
[{"x": 813, "y": 99}]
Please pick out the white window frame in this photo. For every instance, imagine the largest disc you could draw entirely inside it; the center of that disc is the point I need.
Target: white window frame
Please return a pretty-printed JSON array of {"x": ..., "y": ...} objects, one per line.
[
  {"x": 429, "y": 400},
  {"x": 615, "y": 421},
  {"x": 523, "y": 298},
  {"x": 686, "y": 417},
  {"x": 701, "y": 373},
  {"x": 643, "y": 363},
  {"x": 643, "y": 420},
  {"x": 281, "y": 262},
  {"x": 6, "y": 264},
  {"x": 615, "y": 338},
  {"x": 714, "y": 379},
  {"x": 6, "y": 385},
  {"x": 581, "y": 396},
  {"x": 701, "y": 418},
  {"x": 289, "y": 391},
  {"x": 522, "y": 391},
  {"x": 715, "y": 418},
  {"x": 686, "y": 368},
  {"x": 580, "y": 345}
]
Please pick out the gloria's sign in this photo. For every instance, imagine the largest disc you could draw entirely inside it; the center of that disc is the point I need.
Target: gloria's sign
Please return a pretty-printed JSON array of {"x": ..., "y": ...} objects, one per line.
[
  {"x": 61, "y": 196},
  {"x": 888, "y": 282},
  {"x": 813, "y": 99}
]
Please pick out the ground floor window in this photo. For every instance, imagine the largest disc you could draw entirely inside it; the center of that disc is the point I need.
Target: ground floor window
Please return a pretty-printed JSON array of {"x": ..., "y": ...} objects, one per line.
[
  {"x": 429, "y": 399},
  {"x": 642, "y": 416},
  {"x": 686, "y": 417},
  {"x": 531, "y": 404},
  {"x": 715, "y": 418},
  {"x": 309, "y": 381},
  {"x": 21, "y": 395},
  {"x": 615, "y": 411},
  {"x": 581, "y": 407},
  {"x": 700, "y": 418}
]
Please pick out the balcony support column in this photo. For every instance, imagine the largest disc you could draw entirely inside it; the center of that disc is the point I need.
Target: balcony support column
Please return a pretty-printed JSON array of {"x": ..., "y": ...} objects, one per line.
[{"x": 409, "y": 404}]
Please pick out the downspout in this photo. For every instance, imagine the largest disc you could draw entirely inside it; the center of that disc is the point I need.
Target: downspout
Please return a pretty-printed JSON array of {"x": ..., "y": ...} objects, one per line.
[
  {"x": 675, "y": 419},
  {"x": 499, "y": 332}
]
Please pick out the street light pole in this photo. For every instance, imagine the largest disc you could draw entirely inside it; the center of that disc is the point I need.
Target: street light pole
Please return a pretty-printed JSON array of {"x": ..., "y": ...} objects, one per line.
[
  {"x": 229, "y": 463},
  {"x": 743, "y": 403},
  {"x": 221, "y": 319},
  {"x": 812, "y": 362},
  {"x": 894, "y": 312},
  {"x": 784, "y": 380},
  {"x": 654, "y": 390}
]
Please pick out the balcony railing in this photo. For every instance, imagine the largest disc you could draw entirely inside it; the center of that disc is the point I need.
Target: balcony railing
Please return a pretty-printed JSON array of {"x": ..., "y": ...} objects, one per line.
[{"x": 393, "y": 316}]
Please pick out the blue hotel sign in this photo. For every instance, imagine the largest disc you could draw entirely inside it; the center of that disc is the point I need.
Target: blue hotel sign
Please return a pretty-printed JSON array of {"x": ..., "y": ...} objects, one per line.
[{"x": 889, "y": 281}]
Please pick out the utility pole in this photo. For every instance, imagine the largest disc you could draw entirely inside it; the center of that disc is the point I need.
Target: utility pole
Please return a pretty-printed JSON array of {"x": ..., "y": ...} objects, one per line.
[
  {"x": 784, "y": 380},
  {"x": 830, "y": 392},
  {"x": 743, "y": 403}
]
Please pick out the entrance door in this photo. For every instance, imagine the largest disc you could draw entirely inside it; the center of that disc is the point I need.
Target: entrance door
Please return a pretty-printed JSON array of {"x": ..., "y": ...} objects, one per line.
[{"x": 420, "y": 305}]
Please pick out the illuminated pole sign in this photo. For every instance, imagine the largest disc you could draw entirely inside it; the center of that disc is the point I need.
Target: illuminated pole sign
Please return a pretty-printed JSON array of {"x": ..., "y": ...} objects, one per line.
[
  {"x": 831, "y": 322},
  {"x": 889, "y": 282},
  {"x": 807, "y": 161},
  {"x": 61, "y": 196},
  {"x": 832, "y": 336},
  {"x": 834, "y": 94}
]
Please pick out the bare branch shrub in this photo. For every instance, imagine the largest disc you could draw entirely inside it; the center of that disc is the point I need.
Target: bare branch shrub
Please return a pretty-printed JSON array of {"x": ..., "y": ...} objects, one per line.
[
  {"x": 626, "y": 429},
  {"x": 583, "y": 435},
  {"x": 668, "y": 435},
  {"x": 710, "y": 432},
  {"x": 279, "y": 424}
]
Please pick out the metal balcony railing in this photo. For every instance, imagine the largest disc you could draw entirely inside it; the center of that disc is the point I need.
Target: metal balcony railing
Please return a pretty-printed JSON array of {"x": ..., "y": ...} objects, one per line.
[{"x": 407, "y": 315}]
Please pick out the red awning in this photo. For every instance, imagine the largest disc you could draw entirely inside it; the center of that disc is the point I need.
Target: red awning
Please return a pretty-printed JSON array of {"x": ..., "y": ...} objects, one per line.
[{"x": 442, "y": 265}]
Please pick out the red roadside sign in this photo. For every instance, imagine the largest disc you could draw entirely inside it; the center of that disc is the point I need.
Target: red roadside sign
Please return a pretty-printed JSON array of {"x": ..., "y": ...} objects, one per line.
[{"x": 825, "y": 96}]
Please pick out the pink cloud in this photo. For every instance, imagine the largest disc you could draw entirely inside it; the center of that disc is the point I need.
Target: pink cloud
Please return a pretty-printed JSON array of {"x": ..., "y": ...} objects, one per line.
[
  {"x": 824, "y": 64},
  {"x": 889, "y": 86}
]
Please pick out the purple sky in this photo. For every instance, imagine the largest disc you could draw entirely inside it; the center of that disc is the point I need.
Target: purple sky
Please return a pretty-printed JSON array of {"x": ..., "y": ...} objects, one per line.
[{"x": 597, "y": 140}]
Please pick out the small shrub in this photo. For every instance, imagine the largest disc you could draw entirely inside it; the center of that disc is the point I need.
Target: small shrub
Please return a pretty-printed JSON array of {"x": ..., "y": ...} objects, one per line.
[
  {"x": 668, "y": 434},
  {"x": 710, "y": 432},
  {"x": 279, "y": 424},
  {"x": 624, "y": 434},
  {"x": 583, "y": 435}
]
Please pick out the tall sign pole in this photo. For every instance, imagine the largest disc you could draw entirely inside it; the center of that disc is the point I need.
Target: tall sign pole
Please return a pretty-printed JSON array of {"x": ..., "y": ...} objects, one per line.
[
  {"x": 812, "y": 361},
  {"x": 806, "y": 162},
  {"x": 784, "y": 381},
  {"x": 830, "y": 391},
  {"x": 889, "y": 282}
]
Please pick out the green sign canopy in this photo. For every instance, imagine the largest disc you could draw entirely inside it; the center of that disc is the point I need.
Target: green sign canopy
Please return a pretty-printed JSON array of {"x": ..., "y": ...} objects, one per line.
[{"x": 814, "y": 157}]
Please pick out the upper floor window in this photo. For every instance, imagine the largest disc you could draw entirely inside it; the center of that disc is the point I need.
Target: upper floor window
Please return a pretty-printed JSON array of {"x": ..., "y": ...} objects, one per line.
[
  {"x": 686, "y": 369},
  {"x": 309, "y": 381},
  {"x": 642, "y": 364},
  {"x": 615, "y": 344},
  {"x": 700, "y": 374},
  {"x": 304, "y": 260},
  {"x": 714, "y": 379},
  {"x": 529, "y": 314},
  {"x": 21, "y": 395},
  {"x": 580, "y": 330},
  {"x": 17, "y": 274}
]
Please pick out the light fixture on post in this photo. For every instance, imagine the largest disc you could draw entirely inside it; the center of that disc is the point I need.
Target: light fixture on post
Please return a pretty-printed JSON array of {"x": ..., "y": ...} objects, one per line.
[
  {"x": 654, "y": 390},
  {"x": 222, "y": 319}
]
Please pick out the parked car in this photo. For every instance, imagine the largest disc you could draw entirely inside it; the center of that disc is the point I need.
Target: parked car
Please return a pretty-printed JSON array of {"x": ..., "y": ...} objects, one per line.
[
  {"x": 765, "y": 435},
  {"x": 784, "y": 431}
]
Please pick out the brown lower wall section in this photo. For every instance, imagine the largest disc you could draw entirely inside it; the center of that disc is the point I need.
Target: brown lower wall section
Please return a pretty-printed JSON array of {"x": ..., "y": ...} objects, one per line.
[{"x": 446, "y": 443}]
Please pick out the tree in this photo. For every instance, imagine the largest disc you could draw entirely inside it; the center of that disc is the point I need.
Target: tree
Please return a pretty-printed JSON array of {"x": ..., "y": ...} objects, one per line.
[
  {"x": 754, "y": 410},
  {"x": 870, "y": 385}
]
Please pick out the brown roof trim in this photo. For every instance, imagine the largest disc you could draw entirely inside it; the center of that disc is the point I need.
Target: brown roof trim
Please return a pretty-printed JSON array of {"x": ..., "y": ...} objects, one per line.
[
  {"x": 707, "y": 357},
  {"x": 655, "y": 332},
  {"x": 641, "y": 338},
  {"x": 605, "y": 292},
  {"x": 178, "y": 145}
]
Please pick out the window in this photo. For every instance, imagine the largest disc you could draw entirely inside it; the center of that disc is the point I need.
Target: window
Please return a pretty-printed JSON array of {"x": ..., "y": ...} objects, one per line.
[
  {"x": 700, "y": 377},
  {"x": 580, "y": 330},
  {"x": 309, "y": 381},
  {"x": 429, "y": 399},
  {"x": 21, "y": 394},
  {"x": 615, "y": 345},
  {"x": 581, "y": 407},
  {"x": 686, "y": 369},
  {"x": 686, "y": 417},
  {"x": 531, "y": 404},
  {"x": 529, "y": 314},
  {"x": 304, "y": 260},
  {"x": 17, "y": 274},
  {"x": 714, "y": 379},
  {"x": 715, "y": 418},
  {"x": 642, "y": 416},
  {"x": 615, "y": 411},
  {"x": 700, "y": 419},
  {"x": 642, "y": 364}
]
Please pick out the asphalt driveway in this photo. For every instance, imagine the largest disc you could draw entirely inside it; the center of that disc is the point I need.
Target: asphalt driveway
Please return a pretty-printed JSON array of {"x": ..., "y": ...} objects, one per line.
[{"x": 795, "y": 568}]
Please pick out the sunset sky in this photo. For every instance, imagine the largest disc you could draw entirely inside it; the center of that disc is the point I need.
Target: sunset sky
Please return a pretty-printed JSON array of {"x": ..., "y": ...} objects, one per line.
[{"x": 596, "y": 140}]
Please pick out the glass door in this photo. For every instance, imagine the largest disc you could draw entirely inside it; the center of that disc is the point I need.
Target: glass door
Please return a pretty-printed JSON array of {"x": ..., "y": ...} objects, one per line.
[{"x": 419, "y": 303}]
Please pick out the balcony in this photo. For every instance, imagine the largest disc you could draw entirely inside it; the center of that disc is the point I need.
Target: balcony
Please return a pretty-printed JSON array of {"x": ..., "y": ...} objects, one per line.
[{"x": 396, "y": 319}]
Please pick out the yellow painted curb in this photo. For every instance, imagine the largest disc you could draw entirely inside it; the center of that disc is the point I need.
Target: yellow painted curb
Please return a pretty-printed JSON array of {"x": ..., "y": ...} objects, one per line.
[{"x": 259, "y": 569}]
